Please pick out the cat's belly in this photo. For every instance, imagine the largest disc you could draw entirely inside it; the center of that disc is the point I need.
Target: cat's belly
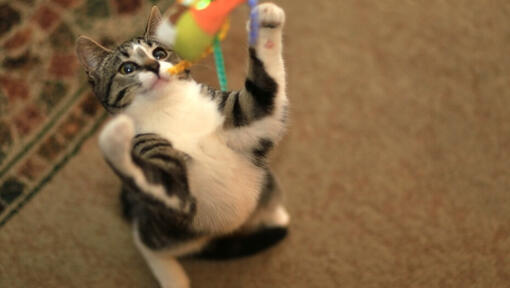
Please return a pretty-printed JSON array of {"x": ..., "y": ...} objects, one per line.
[{"x": 225, "y": 184}]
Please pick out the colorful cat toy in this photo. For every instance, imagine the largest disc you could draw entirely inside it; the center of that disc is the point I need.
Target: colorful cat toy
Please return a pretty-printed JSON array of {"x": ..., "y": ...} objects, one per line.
[{"x": 198, "y": 27}]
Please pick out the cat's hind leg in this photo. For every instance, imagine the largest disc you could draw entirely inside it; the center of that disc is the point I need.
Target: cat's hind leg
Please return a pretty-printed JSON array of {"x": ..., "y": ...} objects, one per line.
[
  {"x": 267, "y": 226},
  {"x": 168, "y": 272},
  {"x": 270, "y": 211},
  {"x": 163, "y": 262}
]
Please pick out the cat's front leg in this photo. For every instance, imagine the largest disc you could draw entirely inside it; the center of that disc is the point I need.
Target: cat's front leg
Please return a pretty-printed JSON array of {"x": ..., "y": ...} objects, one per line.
[
  {"x": 268, "y": 45},
  {"x": 137, "y": 171},
  {"x": 154, "y": 173},
  {"x": 115, "y": 143},
  {"x": 259, "y": 110}
]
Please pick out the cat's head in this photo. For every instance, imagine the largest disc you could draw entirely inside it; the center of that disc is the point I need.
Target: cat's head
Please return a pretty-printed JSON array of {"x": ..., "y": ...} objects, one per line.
[{"x": 135, "y": 68}]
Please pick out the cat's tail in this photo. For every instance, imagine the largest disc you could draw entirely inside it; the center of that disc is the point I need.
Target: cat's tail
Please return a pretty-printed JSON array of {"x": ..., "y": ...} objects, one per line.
[{"x": 242, "y": 245}]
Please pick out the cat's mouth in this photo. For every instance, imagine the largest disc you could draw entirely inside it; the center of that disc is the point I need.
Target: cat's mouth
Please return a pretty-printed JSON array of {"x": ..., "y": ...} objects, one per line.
[{"x": 159, "y": 83}]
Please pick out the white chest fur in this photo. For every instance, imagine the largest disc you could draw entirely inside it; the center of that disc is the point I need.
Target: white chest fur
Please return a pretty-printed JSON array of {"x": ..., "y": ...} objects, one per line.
[{"x": 224, "y": 182}]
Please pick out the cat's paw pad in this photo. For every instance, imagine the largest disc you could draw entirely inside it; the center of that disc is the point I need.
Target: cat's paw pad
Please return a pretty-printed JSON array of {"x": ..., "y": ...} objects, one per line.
[
  {"x": 115, "y": 138},
  {"x": 270, "y": 15}
]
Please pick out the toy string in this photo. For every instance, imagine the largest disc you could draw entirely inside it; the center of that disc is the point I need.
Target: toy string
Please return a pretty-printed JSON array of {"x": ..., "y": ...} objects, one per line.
[
  {"x": 218, "y": 55},
  {"x": 254, "y": 23},
  {"x": 220, "y": 64}
]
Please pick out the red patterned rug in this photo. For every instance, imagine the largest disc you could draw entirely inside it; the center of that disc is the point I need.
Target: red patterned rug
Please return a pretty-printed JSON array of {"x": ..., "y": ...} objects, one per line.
[{"x": 46, "y": 107}]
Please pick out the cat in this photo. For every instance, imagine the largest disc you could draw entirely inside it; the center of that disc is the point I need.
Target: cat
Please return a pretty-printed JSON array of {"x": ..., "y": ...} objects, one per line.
[{"x": 192, "y": 159}]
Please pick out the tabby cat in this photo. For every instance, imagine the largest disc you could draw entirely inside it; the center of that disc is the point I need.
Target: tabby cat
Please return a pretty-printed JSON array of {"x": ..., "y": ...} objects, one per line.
[{"x": 192, "y": 159}]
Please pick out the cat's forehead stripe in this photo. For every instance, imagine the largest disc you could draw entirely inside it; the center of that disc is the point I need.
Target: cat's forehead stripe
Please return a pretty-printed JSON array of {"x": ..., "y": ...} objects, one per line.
[
  {"x": 128, "y": 45},
  {"x": 125, "y": 50},
  {"x": 124, "y": 53},
  {"x": 140, "y": 51}
]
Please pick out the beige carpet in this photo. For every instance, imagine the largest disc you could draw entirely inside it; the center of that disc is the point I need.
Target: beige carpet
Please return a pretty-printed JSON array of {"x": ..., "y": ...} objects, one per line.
[{"x": 396, "y": 165}]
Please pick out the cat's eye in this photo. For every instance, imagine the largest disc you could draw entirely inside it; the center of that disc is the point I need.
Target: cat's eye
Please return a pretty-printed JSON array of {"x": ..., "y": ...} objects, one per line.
[
  {"x": 128, "y": 67},
  {"x": 159, "y": 53}
]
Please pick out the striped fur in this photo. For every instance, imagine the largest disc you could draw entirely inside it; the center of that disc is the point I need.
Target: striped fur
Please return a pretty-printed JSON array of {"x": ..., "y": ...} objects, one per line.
[
  {"x": 193, "y": 159},
  {"x": 115, "y": 90},
  {"x": 253, "y": 102}
]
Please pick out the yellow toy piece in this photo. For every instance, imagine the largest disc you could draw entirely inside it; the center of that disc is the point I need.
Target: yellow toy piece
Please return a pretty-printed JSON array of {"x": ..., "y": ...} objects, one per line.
[{"x": 185, "y": 64}]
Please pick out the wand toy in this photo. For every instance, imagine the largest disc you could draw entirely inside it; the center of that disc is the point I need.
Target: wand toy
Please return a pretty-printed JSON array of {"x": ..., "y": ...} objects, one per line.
[{"x": 195, "y": 28}]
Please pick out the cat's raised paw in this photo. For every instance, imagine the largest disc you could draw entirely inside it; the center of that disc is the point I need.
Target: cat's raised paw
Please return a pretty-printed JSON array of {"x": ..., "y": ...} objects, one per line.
[
  {"x": 115, "y": 138},
  {"x": 270, "y": 15}
]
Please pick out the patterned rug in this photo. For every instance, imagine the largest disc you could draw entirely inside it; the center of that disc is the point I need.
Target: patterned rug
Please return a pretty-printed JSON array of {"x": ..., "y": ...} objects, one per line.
[{"x": 46, "y": 107}]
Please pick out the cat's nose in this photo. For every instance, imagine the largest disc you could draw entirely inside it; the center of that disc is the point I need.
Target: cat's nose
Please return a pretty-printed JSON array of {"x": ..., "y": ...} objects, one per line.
[{"x": 152, "y": 66}]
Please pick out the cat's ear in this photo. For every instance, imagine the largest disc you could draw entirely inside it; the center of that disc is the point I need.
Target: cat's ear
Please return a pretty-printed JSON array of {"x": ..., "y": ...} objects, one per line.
[
  {"x": 152, "y": 24},
  {"x": 90, "y": 53}
]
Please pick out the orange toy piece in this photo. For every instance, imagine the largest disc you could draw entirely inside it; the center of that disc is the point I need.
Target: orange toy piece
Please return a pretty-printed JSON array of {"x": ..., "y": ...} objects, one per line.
[{"x": 211, "y": 18}]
